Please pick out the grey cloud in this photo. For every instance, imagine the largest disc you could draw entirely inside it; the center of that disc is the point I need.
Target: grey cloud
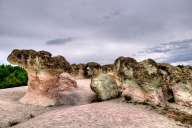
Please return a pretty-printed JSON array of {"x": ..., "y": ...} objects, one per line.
[
  {"x": 167, "y": 47},
  {"x": 173, "y": 52},
  {"x": 51, "y": 25},
  {"x": 125, "y": 19},
  {"x": 60, "y": 41}
]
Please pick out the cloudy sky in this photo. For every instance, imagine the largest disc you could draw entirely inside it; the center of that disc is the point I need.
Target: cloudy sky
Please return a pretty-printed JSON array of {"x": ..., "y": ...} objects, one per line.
[{"x": 99, "y": 30}]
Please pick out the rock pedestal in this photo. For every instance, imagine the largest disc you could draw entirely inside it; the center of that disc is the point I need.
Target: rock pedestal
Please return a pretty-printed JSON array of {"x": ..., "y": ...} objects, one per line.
[{"x": 44, "y": 76}]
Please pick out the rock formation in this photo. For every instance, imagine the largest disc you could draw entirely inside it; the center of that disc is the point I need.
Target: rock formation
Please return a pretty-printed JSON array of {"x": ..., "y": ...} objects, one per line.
[
  {"x": 44, "y": 73},
  {"x": 179, "y": 81},
  {"x": 86, "y": 71},
  {"x": 105, "y": 87},
  {"x": 109, "y": 68},
  {"x": 150, "y": 82},
  {"x": 78, "y": 70},
  {"x": 92, "y": 69},
  {"x": 143, "y": 82},
  {"x": 154, "y": 83}
]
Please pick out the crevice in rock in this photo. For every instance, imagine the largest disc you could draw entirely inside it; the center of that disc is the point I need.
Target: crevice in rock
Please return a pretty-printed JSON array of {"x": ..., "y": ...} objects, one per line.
[{"x": 13, "y": 123}]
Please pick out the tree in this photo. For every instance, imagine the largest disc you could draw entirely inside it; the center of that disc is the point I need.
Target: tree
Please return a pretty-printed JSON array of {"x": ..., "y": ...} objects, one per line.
[{"x": 12, "y": 76}]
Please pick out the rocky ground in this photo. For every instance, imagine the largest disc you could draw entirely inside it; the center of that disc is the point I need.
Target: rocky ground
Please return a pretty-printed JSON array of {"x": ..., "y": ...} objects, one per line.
[{"x": 79, "y": 110}]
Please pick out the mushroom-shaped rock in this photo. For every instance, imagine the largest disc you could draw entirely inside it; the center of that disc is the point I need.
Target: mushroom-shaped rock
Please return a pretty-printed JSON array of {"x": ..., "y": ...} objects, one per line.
[
  {"x": 43, "y": 75},
  {"x": 105, "y": 87}
]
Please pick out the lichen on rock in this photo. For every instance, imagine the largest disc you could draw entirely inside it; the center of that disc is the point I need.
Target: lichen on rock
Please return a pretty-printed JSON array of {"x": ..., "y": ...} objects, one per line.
[
  {"x": 105, "y": 87},
  {"x": 145, "y": 81},
  {"x": 78, "y": 70},
  {"x": 92, "y": 69},
  {"x": 141, "y": 81},
  {"x": 38, "y": 61},
  {"x": 43, "y": 75}
]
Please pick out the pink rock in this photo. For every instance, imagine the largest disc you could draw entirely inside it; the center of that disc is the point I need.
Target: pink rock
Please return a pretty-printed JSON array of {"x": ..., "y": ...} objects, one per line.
[{"x": 45, "y": 80}]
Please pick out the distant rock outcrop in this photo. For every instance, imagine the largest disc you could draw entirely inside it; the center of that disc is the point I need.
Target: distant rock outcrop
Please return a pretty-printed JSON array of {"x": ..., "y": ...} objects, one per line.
[
  {"x": 44, "y": 75},
  {"x": 109, "y": 68},
  {"x": 78, "y": 70},
  {"x": 92, "y": 69}
]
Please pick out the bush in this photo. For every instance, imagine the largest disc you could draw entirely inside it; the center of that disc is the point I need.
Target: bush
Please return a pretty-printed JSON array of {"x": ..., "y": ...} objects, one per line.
[{"x": 12, "y": 76}]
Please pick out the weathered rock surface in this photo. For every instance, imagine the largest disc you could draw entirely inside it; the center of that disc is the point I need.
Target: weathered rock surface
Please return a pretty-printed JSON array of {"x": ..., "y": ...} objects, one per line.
[
  {"x": 154, "y": 83},
  {"x": 146, "y": 81},
  {"x": 52, "y": 79},
  {"x": 105, "y": 87},
  {"x": 183, "y": 93},
  {"x": 109, "y": 68},
  {"x": 89, "y": 70},
  {"x": 66, "y": 82},
  {"x": 78, "y": 71},
  {"x": 85, "y": 71},
  {"x": 92, "y": 69},
  {"x": 178, "y": 79},
  {"x": 44, "y": 73},
  {"x": 141, "y": 81},
  {"x": 109, "y": 114}
]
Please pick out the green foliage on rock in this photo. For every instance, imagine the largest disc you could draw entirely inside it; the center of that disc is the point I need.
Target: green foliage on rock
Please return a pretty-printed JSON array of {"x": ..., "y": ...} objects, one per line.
[{"x": 12, "y": 76}]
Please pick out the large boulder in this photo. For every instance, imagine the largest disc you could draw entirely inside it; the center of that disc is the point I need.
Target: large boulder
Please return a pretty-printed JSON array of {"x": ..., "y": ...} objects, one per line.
[
  {"x": 142, "y": 82},
  {"x": 105, "y": 87},
  {"x": 44, "y": 73},
  {"x": 154, "y": 83}
]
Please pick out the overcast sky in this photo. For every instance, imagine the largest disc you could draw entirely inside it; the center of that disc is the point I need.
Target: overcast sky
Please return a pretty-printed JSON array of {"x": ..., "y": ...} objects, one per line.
[{"x": 99, "y": 30}]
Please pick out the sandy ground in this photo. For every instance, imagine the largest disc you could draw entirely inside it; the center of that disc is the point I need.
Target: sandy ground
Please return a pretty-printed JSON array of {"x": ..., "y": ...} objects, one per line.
[{"x": 78, "y": 111}]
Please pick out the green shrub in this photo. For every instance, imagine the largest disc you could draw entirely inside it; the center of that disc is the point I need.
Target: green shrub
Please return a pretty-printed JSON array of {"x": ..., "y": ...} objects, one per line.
[{"x": 12, "y": 76}]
